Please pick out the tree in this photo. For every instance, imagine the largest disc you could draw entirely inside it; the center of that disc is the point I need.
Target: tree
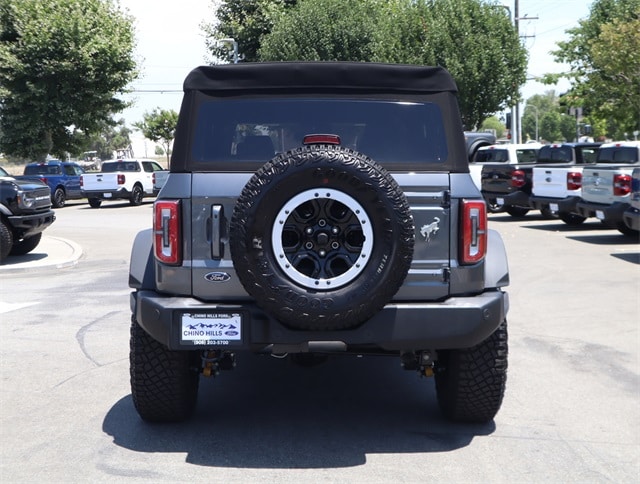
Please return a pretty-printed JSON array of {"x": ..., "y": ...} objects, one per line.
[
  {"x": 159, "y": 126},
  {"x": 474, "y": 40},
  {"x": 602, "y": 53},
  {"x": 107, "y": 141},
  {"x": 493, "y": 123},
  {"x": 245, "y": 21},
  {"x": 62, "y": 63}
]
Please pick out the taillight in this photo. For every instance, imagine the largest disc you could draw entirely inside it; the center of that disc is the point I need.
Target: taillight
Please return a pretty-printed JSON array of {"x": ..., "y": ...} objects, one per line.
[
  {"x": 153, "y": 179},
  {"x": 621, "y": 185},
  {"x": 81, "y": 181},
  {"x": 167, "y": 239},
  {"x": 121, "y": 179},
  {"x": 517, "y": 178},
  {"x": 473, "y": 246},
  {"x": 574, "y": 180}
]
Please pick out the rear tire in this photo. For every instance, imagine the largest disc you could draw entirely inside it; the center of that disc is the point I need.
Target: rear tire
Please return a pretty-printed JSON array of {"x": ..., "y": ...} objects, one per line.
[
  {"x": 628, "y": 231},
  {"x": 6, "y": 241},
  {"x": 26, "y": 245},
  {"x": 136, "y": 196},
  {"x": 470, "y": 382},
  {"x": 59, "y": 198},
  {"x": 494, "y": 207},
  {"x": 547, "y": 213},
  {"x": 517, "y": 212},
  {"x": 572, "y": 219},
  {"x": 164, "y": 383}
]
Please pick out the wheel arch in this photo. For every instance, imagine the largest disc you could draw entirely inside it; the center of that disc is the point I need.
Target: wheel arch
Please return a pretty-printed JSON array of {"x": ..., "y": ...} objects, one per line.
[
  {"x": 141, "y": 266},
  {"x": 496, "y": 266}
]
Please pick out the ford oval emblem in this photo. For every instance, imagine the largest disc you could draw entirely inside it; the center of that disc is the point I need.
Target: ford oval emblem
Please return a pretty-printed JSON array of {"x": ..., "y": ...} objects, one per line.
[{"x": 217, "y": 277}]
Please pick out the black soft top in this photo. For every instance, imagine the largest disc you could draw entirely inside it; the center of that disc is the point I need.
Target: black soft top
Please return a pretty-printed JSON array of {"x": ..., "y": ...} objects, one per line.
[{"x": 318, "y": 76}]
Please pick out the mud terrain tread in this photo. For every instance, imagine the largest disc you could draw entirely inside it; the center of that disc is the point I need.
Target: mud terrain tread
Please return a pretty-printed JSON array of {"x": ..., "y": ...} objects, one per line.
[
  {"x": 470, "y": 382},
  {"x": 164, "y": 383}
]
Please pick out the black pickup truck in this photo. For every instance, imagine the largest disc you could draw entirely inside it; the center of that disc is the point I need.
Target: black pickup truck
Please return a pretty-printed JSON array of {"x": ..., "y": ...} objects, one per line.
[{"x": 25, "y": 211}]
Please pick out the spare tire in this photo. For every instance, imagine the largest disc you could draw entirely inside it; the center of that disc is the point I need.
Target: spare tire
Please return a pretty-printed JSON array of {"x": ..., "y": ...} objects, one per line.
[{"x": 322, "y": 237}]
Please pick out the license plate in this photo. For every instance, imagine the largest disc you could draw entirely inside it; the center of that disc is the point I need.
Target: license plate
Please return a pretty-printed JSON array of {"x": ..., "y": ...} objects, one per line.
[
  {"x": 500, "y": 201},
  {"x": 211, "y": 328},
  {"x": 553, "y": 207},
  {"x": 599, "y": 214},
  {"x": 106, "y": 195}
]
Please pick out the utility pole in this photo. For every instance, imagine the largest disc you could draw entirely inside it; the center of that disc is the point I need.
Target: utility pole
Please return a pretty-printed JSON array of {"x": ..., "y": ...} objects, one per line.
[{"x": 517, "y": 134}]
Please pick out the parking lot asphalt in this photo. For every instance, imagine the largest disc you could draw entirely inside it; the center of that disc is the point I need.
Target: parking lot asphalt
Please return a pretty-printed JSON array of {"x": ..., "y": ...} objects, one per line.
[{"x": 52, "y": 252}]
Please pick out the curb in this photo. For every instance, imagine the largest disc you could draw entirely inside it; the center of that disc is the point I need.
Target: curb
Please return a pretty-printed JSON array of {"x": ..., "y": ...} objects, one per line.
[{"x": 51, "y": 253}]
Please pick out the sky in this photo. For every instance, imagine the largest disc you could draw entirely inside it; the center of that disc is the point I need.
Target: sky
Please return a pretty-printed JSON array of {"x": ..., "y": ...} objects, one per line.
[{"x": 170, "y": 43}]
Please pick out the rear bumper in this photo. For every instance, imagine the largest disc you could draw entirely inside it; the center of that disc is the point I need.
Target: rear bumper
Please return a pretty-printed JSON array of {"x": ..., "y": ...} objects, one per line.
[
  {"x": 631, "y": 217},
  {"x": 28, "y": 225},
  {"x": 106, "y": 194},
  {"x": 565, "y": 205},
  {"x": 513, "y": 199},
  {"x": 609, "y": 214},
  {"x": 458, "y": 322}
]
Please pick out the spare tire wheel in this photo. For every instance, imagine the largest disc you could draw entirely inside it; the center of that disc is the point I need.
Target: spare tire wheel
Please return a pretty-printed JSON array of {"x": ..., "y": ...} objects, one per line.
[{"x": 322, "y": 237}]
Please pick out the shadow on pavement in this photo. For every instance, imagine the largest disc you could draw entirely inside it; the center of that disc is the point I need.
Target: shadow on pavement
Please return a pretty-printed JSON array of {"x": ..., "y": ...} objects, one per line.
[{"x": 269, "y": 413}]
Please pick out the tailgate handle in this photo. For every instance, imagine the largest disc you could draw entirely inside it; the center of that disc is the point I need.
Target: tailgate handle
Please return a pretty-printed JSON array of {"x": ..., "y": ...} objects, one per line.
[{"x": 217, "y": 248}]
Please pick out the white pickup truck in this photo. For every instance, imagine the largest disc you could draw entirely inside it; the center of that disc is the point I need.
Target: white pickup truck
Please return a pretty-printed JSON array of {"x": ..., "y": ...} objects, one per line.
[
  {"x": 127, "y": 178},
  {"x": 509, "y": 154},
  {"x": 606, "y": 186},
  {"x": 557, "y": 179}
]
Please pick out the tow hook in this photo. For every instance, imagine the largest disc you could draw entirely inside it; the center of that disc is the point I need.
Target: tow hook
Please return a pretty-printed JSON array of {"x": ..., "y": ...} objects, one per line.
[
  {"x": 421, "y": 361},
  {"x": 213, "y": 361}
]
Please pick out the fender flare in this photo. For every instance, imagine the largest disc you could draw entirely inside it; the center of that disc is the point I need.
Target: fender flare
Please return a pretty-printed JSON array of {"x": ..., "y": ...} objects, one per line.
[
  {"x": 142, "y": 271},
  {"x": 496, "y": 266}
]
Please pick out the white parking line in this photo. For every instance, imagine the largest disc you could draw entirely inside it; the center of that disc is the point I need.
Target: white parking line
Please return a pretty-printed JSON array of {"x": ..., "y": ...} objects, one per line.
[{"x": 6, "y": 307}]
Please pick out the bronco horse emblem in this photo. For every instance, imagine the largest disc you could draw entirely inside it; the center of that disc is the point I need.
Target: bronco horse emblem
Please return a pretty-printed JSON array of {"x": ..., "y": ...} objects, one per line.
[{"x": 431, "y": 229}]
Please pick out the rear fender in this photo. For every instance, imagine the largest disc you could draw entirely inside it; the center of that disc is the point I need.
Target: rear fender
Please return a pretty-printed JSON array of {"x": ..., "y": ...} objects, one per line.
[
  {"x": 141, "y": 266},
  {"x": 496, "y": 267}
]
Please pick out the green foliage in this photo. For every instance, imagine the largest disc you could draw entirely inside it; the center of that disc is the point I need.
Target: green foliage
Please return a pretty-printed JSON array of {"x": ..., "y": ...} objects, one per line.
[
  {"x": 554, "y": 122},
  {"x": 245, "y": 21},
  {"x": 474, "y": 40},
  {"x": 62, "y": 62},
  {"x": 159, "y": 126},
  {"x": 602, "y": 53},
  {"x": 492, "y": 122},
  {"x": 159, "y": 150},
  {"x": 107, "y": 140},
  {"x": 329, "y": 30}
]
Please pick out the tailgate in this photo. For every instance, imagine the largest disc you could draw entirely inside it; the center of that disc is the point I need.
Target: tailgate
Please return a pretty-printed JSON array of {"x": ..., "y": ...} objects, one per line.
[
  {"x": 597, "y": 184},
  {"x": 213, "y": 199},
  {"x": 497, "y": 179},
  {"x": 552, "y": 182},
  {"x": 100, "y": 181}
]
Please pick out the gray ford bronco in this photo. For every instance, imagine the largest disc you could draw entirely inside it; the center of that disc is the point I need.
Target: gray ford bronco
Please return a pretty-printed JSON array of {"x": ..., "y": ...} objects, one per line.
[{"x": 315, "y": 209}]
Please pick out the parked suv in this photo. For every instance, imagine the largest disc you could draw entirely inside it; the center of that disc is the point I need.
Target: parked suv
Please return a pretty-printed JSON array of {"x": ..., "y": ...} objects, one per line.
[
  {"x": 25, "y": 211},
  {"x": 313, "y": 209}
]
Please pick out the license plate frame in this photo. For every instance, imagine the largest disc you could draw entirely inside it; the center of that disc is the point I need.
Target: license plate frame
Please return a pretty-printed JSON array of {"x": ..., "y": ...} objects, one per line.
[
  {"x": 600, "y": 215},
  {"x": 211, "y": 328},
  {"x": 553, "y": 207}
]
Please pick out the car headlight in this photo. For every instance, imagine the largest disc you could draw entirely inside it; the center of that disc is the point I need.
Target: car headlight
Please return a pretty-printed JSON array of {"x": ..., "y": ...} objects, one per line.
[{"x": 25, "y": 200}]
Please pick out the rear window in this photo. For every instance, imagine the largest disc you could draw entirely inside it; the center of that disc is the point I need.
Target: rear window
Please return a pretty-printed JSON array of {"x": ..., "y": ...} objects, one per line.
[
  {"x": 111, "y": 167},
  {"x": 492, "y": 156},
  {"x": 618, "y": 154},
  {"x": 257, "y": 130},
  {"x": 555, "y": 154},
  {"x": 42, "y": 170}
]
